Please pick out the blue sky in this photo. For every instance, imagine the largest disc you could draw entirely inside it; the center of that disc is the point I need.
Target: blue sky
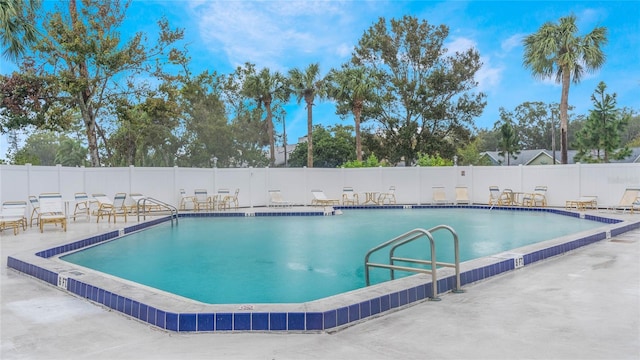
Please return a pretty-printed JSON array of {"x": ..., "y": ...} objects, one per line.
[{"x": 282, "y": 35}]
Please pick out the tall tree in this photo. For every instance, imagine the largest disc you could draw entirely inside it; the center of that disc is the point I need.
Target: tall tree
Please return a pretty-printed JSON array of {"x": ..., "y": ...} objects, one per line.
[
  {"x": 308, "y": 84},
  {"x": 600, "y": 138},
  {"x": 248, "y": 131},
  {"x": 266, "y": 88},
  {"x": 17, "y": 28},
  {"x": 353, "y": 88},
  {"x": 427, "y": 101},
  {"x": 207, "y": 131},
  {"x": 82, "y": 49},
  {"x": 509, "y": 143},
  {"x": 557, "y": 50}
]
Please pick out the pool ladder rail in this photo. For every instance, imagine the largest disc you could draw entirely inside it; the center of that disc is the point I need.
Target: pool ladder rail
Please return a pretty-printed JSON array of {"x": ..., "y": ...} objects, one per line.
[
  {"x": 411, "y": 236},
  {"x": 142, "y": 204}
]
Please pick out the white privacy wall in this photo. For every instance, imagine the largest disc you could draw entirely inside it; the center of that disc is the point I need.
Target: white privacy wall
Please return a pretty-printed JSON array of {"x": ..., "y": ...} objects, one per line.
[{"x": 413, "y": 184}]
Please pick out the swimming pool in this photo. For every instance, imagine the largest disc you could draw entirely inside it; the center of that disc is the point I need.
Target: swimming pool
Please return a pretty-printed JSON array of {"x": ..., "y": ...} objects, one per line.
[
  {"x": 296, "y": 259},
  {"x": 173, "y": 313}
]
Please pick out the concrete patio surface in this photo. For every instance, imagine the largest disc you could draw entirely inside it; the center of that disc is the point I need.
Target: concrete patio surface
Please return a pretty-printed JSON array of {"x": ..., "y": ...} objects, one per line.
[{"x": 581, "y": 305}]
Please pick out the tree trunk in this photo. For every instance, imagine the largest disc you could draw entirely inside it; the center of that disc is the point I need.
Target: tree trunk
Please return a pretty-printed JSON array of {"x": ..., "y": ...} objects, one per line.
[
  {"x": 272, "y": 145},
  {"x": 309, "y": 101},
  {"x": 564, "y": 117},
  {"x": 357, "y": 112},
  {"x": 84, "y": 97}
]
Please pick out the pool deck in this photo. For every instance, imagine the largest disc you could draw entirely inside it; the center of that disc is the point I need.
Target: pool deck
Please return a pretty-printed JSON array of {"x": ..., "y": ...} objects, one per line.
[{"x": 584, "y": 304}]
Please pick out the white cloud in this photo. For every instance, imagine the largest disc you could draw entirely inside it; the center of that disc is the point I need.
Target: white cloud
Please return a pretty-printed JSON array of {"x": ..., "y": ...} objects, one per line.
[
  {"x": 488, "y": 77},
  {"x": 460, "y": 44},
  {"x": 512, "y": 42},
  {"x": 272, "y": 33}
]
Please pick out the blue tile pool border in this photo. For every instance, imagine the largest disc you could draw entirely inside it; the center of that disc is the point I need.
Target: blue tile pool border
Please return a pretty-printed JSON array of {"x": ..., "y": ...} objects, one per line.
[{"x": 244, "y": 320}]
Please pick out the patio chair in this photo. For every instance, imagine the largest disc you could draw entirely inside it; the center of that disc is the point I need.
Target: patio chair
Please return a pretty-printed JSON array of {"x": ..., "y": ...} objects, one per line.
[
  {"x": 389, "y": 197},
  {"x": 630, "y": 199},
  {"x": 462, "y": 195},
  {"x": 51, "y": 211},
  {"x": 12, "y": 216},
  {"x": 537, "y": 198},
  {"x": 203, "y": 201},
  {"x": 227, "y": 200},
  {"x": 507, "y": 197},
  {"x": 439, "y": 195},
  {"x": 187, "y": 199},
  {"x": 217, "y": 200},
  {"x": 82, "y": 207},
  {"x": 35, "y": 210},
  {"x": 320, "y": 199},
  {"x": 349, "y": 197},
  {"x": 276, "y": 199},
  {"x": 583, "y": 203},
  {"x": 494, "y": 195}
]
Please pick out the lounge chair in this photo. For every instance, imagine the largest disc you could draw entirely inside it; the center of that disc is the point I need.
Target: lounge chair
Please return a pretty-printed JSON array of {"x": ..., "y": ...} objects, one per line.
[
  {"x": 82, "y": 207},
  {"x": 583, "y": 203},
  {"x": 203, "y": 201},
  {"x": 109, "y": 208},
  {"x": 137, "y": 202},
  {"x": 187, "y": 199},
  {"x": 320, "y": 199},
  {"x": 12, "y": 216},
  {"x": 494, "y": 195},
  {"x": 35, "y": 210},
  {"x": 349, "y": 197},
  {"x": 537, "y": 198},
  {"x": 389, "y": 197},
  {"x": 439, "y": 195},
  {"x": 51, "y": 211},
  {"x": 462, "y": 195},
  {"x": 229, "y": 199},
  {"x": 276, "y": 199},
  {"x": 217, "y": 200},
  {"x": 630, "y": 197}
]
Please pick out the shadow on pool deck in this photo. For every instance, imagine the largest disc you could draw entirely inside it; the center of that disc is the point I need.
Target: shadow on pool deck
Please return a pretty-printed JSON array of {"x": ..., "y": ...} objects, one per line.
[{"x": 581, "y": 305}]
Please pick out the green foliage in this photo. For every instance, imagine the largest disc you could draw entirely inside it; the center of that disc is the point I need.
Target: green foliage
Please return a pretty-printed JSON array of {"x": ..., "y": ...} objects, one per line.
[
  {"x": 427, "y": 99},
  {"x": 600, "y": 139},
  {"x": 17, "y": 29},
  {"x": 333, "y": 147},
  {"x": 48, "y": 148},
  {"x": 29, "y": 99},
  {"x": 371, "y": 161},
  {"x": 70, "y": 152},
  {"x": 432, "y": 160},
  {"x": 509, "y": 144},
  {"x": 470, "y": 155}
]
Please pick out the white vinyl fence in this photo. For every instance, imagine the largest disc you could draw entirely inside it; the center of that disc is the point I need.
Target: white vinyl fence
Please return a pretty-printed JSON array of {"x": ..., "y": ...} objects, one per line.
[{"x": 413, "y": 184}]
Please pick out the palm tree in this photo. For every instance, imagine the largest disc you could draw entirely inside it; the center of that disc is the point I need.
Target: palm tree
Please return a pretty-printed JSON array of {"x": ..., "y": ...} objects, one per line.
[
  {"x": 16, "y": 28},
  {"x": 266, "y": 87},
  {"x": 307, "y": 85},
  {"x": 556, "y": 50},
  {"x": 352, "y": 88}
]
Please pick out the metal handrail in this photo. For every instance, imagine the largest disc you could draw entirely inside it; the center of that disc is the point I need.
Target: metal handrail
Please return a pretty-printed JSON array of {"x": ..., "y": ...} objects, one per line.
[
  {"x": 407, "y": 238},
  {"x": 143, "y": 200}
]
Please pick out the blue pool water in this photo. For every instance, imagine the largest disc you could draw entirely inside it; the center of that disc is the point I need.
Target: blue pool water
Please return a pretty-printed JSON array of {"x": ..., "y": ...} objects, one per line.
[{"x": 294, "y": 259}]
